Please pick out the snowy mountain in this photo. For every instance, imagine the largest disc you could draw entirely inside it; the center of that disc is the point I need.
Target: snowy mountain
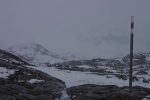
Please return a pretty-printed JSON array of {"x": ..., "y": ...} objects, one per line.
[
  {"x": 35, "y": 53},
  {"x": 113, "y": 71},
  {"x": 78, "y": 76},
  {"x": 113, "y": 68}
]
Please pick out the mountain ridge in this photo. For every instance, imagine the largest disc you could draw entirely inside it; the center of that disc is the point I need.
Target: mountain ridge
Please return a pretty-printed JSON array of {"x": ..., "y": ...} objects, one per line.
[{"x": 35, "y": 53}]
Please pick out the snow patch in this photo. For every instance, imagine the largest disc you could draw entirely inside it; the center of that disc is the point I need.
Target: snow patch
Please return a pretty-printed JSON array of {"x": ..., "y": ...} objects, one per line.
[
  {"x": 64, "y": 96},
  {"x": 34, "y": 81},
  {"x": 4, "y": 72},
  {"x": 84, "y": 66},
  {"x": 146, "y": 98},
  {"x": 75, "y": 78}
]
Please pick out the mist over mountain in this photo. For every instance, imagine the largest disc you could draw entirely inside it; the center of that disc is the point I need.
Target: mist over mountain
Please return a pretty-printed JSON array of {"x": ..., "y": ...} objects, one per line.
[
  {"x": 90, "y": 28},
  {"x": 74, "y": 49},
  {"x": 37, "y": 54}
]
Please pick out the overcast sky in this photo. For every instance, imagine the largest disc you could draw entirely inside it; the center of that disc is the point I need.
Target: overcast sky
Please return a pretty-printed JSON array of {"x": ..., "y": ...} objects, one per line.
[{"x": 86, "y": 27}]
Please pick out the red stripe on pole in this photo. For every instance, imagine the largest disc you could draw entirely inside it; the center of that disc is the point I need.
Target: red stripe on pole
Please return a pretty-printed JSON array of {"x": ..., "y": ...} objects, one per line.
[
  {"x": 132, "y": 25},
  {"x": 132, "y": 22}
]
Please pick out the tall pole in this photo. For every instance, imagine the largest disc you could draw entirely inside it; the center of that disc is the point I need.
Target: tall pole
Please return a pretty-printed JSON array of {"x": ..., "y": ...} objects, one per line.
[{"x": 131, "y": 54}]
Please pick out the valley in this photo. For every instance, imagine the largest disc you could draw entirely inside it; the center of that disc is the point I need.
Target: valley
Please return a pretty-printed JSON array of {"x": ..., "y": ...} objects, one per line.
[{"x": 62, "y": 76}]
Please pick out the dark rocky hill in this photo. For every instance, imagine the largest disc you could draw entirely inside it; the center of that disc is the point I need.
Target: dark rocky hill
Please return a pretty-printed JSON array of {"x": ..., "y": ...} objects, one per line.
[
  {"x": 11, "y": 58},
  {"x": 19, "y": 82},
  {"x": 107, "y": 92}
]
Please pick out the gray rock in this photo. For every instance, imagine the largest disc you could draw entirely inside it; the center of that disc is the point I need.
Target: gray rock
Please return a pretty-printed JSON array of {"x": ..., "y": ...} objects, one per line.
[
  {"x": 106, "y": 92},
  {"x": 6, "y": 97}
]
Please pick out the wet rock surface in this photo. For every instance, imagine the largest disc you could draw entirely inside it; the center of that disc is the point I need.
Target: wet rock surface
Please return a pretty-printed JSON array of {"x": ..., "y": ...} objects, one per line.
[{"x": 106, "y": 92}]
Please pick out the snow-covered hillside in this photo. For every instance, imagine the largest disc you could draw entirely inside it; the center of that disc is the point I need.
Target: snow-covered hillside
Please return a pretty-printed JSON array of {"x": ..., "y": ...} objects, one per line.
[
  {"x": 73, "y": 73},
  {"x": 75, "y": 78},
  {"x": 35, "y": 53},
  {"x": 97, "y": 71},
  {"x": 103, "y": 71}
]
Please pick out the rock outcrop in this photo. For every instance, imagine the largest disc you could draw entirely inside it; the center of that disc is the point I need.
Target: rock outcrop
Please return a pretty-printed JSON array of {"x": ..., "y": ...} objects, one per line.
[
  {"x": 106, "y": 92},
  {"x": 29, "y": 84}
]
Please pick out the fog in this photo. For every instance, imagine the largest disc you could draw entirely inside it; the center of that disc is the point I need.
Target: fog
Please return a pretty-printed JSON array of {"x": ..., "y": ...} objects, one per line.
[{"x": 91, "y": 28}]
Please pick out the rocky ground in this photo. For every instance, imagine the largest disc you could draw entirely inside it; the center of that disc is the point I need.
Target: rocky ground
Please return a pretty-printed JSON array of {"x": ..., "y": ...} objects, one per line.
[
  {"x": 29, "y": 84},
  {"x": 106, "y": 92}
]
